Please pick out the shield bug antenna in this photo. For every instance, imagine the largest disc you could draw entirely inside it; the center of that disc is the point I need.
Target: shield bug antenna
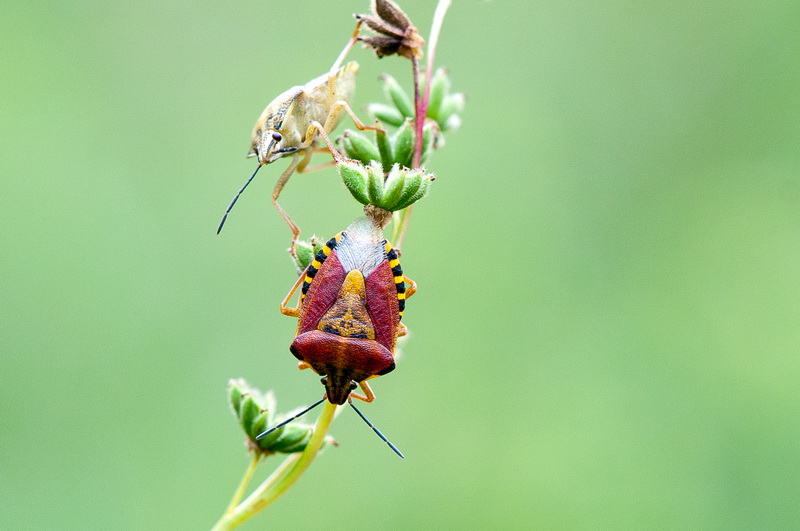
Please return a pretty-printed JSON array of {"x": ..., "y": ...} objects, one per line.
[
  {"x": 287, "y": 421},
  {"x": 315, "y": 404},
  {"x": 384, "y": 439},
  {"x": 236, "y": 198},
  {"x": 276, "y": 138}
]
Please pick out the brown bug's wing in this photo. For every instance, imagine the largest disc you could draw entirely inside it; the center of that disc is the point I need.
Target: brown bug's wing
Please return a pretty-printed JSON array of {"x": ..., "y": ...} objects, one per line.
[
  {"x": 321, "y": 98},
  {"x": 346, "y": 81}
]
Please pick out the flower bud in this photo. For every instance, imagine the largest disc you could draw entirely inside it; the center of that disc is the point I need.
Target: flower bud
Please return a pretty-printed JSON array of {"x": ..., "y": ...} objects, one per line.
[
  {"x": 304, "y": 254},
  {"x": 248, "y": 411},
  {"x": 452, "y": 105},
  {"x": 260, "y": 424},
  {"x": 385, "y": 147},
  {"x": 398, "y": 96},
  {"x": 440, "y": 85},
  {"x": 392, "y": 188},
  {"x": 354, "y": 176},
  {"x": 403, "y": 144},
  {"x": 236, "y": 389},
  {"x": 400, "y": 189},
  {"x": 386, "y": 114},
  {"x": 359, "y": 147},
  {"x": 254, "y": 409},
  {"x": 421, "y": 192},
  {"x": 375, "y": 184},
  {"x": 293, "y": 438},
  {"x": 432, "y": 138},
  {"x": 411, "y": 185}
]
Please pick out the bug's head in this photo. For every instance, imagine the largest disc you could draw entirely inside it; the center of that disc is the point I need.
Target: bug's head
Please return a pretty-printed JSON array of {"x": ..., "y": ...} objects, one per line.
[
  {"x": 338, "y": 388},
  {"x": 273, "y": 146}
]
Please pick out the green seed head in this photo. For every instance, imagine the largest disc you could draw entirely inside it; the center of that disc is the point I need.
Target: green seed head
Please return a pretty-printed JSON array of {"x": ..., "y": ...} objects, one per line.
[
  {"x": 354, "y": 176},
  {"x": 398, "y": 189},
  {"x": 254, "y": 411},
  {"x": 357, "y": 146}
]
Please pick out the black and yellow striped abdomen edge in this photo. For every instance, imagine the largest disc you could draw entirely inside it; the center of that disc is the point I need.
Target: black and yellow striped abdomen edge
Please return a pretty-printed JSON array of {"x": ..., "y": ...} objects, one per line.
[
  {"x": 397, "y": 272},
  {"x": 319, "y": 259}
]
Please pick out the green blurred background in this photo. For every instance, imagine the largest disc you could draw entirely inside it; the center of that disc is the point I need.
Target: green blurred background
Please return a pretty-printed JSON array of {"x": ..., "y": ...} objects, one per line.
[{"x": 606, "y": 332}]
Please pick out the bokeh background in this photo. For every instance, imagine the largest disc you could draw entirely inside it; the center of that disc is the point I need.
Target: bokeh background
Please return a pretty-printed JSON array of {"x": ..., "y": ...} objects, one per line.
[{"x": 606, "y": 332}]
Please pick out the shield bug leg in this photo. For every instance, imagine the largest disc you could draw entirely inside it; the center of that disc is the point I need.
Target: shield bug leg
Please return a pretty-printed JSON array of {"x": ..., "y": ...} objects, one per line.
[
  {"x": 276, "y": 192},
  {"x": 285, "y": 309},
  {"x": 316, "y": 128},
  {"x": 368, "y": 396},
  {"x": 402, "y": 330},
  {"x": 331, "y": 120},
  {"x": 301, "y": 166},
  {"x": 307, "y": 169},
  {"x": 411, "y": 288},
  {"x": 337, "y": 108}
]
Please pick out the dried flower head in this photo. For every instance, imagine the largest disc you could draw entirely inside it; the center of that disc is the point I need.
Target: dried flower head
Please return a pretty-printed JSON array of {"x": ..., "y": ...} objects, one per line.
[{"x": 395, "y": 34}]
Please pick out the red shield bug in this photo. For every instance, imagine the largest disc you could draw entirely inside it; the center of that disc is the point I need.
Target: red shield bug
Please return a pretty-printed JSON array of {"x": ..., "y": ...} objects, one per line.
[{"x": 352, "y": 299}]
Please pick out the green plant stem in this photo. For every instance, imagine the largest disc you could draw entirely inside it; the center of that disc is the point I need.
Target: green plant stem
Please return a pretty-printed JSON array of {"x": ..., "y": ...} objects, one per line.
[
  {"x": 419, "y": 114},
  {"x": 283, "y": 478},
  {"x": 399, "y": 228},
  {"x": 248, "y": 475}
]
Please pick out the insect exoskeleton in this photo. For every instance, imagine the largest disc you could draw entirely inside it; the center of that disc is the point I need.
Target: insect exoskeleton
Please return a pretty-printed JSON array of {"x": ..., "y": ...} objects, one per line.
[
  {"x": 293, "y": 123},
  {"x": 352, "y": 299},
  {"x": 283, "y": 125}
]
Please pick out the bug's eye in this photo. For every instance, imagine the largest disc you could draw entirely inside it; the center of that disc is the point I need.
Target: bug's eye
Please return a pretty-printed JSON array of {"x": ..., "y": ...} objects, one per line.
[{"x": 276, "y": 136}]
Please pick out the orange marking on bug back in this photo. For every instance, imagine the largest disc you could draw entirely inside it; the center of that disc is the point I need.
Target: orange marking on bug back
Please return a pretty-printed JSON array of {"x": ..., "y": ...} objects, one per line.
[{"x": 348, "y": 316}]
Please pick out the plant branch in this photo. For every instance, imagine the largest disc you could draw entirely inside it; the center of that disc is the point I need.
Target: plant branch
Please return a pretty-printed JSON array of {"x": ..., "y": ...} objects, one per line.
[
  {"x": 284, "y": 476},
  {"x": 248, "y": 475},
  {"x": 421, "y": 103},
  {"x": 420, "y": 110}
]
